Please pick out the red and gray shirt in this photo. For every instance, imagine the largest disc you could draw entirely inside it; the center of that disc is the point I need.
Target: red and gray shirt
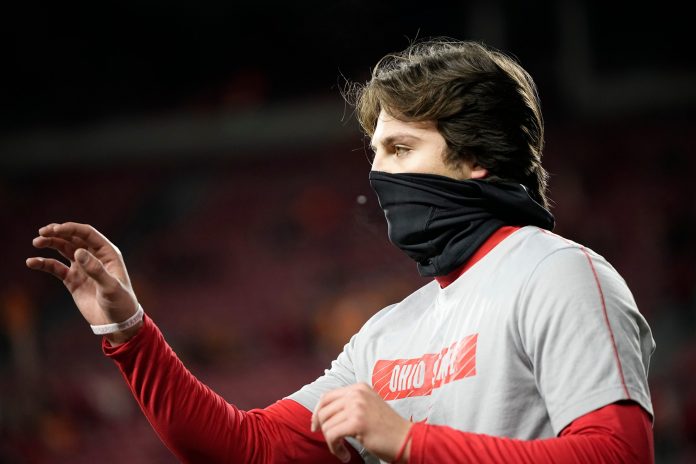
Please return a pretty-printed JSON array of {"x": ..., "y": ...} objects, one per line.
[{"x": 537, "y": 333}]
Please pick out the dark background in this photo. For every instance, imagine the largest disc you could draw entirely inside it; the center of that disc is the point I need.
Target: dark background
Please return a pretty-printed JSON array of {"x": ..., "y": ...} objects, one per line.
[{"x": 210, "y": 142}]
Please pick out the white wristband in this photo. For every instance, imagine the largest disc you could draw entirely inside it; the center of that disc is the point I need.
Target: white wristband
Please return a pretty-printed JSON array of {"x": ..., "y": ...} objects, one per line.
[{"x": 118, "y": 326}]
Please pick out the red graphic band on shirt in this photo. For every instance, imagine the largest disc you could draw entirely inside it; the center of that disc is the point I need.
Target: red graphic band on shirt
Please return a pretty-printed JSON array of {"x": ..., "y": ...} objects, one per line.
[{"x": 402, "y": 378}]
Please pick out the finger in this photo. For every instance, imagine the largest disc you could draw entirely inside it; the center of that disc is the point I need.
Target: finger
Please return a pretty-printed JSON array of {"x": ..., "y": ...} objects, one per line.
[
  {"x": 70, "y": 238},
  {"x": 338, "y": 448},
  {"x": 50, "y": 266},
  {"x": 338, "y": 427},
  {"x": 335, "y": 438},
  {"x": 326, "y": 399},
  {"x": 95, "y": 269},
  {"x": 325, "y": 413},
  {"x": 47, "y": 229},
  {"x": 91, "y": 237},
  {"x": 65, "y": 248},
  {"x": 314, "y": 424}
]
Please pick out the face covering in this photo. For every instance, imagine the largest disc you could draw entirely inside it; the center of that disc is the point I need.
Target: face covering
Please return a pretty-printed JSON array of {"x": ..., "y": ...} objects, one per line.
[{"x": 440, "y": 222}]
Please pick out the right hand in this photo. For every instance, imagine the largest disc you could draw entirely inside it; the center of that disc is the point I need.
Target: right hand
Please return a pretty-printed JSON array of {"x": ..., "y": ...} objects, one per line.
[{"x": 97, "y": 278}]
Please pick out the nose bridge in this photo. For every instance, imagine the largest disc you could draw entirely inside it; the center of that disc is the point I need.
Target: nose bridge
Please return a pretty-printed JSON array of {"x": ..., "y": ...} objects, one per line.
[{"x": 377, "y": 162}]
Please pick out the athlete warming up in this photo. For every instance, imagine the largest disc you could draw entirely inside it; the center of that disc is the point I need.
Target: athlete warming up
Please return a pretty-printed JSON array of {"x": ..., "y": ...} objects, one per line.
[{"x": 525, "y": 347}]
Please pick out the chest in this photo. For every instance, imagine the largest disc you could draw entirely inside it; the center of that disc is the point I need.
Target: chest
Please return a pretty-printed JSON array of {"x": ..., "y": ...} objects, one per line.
[{"x": 441, "y": 366}]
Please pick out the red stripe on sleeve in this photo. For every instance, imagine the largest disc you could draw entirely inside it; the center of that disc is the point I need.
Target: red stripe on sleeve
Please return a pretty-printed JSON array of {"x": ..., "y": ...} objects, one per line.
[
  {"x": 606, "y": 321},
  {"x": 603, "y": 306}
]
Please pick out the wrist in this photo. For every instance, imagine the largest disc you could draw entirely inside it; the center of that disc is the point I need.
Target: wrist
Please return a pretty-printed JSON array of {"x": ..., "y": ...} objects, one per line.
[
  {"x": 122, "y": 336},
  {"x": 403, "y": 454},
  {"x": 407, "y": 451}
]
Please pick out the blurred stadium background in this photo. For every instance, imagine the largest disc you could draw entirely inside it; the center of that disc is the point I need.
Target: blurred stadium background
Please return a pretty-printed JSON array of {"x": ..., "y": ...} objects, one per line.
[{"x": 210, "y": 142}]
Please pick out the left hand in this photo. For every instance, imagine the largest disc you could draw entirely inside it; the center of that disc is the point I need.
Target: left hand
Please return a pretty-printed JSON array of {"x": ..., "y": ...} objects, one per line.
[
  {"x": 96, "y": 276},
  {"x": 358, "y": 411}
]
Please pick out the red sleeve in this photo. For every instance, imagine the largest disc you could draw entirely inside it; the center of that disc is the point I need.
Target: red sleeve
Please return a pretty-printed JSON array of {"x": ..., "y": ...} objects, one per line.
[
  {"x": 198, "y": 425},
  {"x": 620, "y": 432}
]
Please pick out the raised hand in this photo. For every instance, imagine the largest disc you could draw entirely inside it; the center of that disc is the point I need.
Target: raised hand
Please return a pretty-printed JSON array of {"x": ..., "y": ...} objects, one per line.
[{"x": 96, "y": 276}]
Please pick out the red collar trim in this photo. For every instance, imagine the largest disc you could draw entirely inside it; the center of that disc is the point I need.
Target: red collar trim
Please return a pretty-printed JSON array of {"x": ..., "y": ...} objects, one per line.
[{"x": 490, "y": 243}]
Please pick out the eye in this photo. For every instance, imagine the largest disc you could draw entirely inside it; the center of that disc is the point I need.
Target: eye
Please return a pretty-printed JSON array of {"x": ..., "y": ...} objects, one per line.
[{"x": 401, "y": 150}]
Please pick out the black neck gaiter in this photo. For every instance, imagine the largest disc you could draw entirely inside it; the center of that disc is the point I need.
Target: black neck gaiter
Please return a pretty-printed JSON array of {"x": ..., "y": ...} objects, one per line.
[{"x": 440, "y": 222}]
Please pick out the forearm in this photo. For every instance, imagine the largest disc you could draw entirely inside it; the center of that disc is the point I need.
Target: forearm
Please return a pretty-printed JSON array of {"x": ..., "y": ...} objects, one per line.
[
  {"x": 616, "y": 433},
  {"x": 198, "y": 425},
  {"x": 193, "y": 421}
]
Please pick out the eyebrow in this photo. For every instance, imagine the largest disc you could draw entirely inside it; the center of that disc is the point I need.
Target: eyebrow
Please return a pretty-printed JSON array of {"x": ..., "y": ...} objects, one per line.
[{"x": 395, "y": 138}]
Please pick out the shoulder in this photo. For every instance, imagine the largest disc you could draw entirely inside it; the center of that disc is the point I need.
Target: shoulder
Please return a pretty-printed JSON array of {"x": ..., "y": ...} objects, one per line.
[
  {"x": 537, "y": 244},
  {"x": 569, "y": 281},
  {"x": 545, "y": 273},
  {"x": 542, "y": 252},
  {"x": 531, "y": 256}
]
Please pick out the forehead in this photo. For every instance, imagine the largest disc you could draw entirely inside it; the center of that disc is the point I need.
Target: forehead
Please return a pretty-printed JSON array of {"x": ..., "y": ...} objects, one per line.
[{"x": 389, "y": 127}]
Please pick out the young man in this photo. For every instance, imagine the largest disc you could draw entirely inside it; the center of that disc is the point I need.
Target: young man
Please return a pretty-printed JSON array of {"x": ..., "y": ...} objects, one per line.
[{"x": 526, "y": 347}]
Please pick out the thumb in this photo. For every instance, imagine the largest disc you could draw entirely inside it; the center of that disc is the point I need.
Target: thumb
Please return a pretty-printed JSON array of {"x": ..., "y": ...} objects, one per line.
[{"x": 94, "y": 268}]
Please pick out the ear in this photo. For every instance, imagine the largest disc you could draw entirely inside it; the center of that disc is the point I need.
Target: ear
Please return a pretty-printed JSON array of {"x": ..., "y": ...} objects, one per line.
[{"x": 478, "y": 172}]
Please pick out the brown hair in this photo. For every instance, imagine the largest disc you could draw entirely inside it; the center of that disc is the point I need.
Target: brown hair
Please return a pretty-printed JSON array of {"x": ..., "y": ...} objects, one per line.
[{"x": 485, "y": 105}]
